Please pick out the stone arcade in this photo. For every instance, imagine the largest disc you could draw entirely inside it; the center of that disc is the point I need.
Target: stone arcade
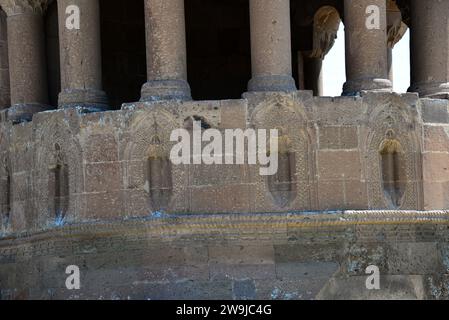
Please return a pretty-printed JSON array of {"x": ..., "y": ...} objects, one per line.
[{"x": 85, "y": 175}]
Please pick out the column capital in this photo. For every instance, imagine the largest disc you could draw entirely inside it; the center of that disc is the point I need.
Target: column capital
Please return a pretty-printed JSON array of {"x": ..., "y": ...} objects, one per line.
[
  {"x": 325, "y": 28},
  {"x": 14, "y": 7},
  {"x": 396, "y": 29}
]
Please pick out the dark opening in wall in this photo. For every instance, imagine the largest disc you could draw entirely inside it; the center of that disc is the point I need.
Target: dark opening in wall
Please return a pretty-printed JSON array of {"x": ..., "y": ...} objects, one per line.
[
  {"x": 393, "y": 172},
  {"x": 282, "y": 185},
  {"x": 5, "y": 195},
  {"x": 59, "y": 185},
  {"x": 8, "y": 196},
  {"x": 52, "y": 48},
  {"x": 159, "y": 176},
  {"x": 123, "y": 50},
  {"x": 218, "y": 48}
]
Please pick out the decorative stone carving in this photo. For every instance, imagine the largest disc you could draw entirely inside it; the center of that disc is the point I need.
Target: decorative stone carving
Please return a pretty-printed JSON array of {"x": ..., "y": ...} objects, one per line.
[
  {"x": 396, "y": 29},
  {"x": 325, "y": 28},
  {"x": 13, "y": 7},
  {"x": 393, "y": 123},
  {"x": 57, "y": 175},
  {"x": 293, "y": 188},
  {"x": 153, "y": 184}
]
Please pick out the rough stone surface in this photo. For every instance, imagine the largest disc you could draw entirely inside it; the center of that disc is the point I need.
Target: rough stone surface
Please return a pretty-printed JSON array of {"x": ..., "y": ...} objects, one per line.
[{"x": 98, "y": 190}]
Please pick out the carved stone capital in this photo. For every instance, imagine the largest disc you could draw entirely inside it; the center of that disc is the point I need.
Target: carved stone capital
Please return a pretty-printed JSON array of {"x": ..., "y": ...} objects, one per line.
[
  {"x": 15, "y": 7},
  {"x": 396, "y": 29},
  {"x": 325, "y": 28}
]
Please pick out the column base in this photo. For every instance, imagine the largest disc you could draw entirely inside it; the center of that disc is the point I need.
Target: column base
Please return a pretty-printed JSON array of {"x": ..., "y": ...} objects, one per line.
[
  {"x": 431, "y": 90},
  {"x": 156, "y": 90},
  {"x": 272, "y": 83},
  {"x": 354, "y": 87},
  {"x": 87, "y": 99},
  {"x": 19, "y": 113}
]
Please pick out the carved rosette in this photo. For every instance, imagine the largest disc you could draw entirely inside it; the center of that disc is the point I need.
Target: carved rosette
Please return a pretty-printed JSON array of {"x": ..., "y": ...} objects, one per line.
[{"x": 15, "y": 7}]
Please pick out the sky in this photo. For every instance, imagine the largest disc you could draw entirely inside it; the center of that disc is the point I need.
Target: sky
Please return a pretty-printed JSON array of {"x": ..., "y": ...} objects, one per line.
[{"x": 334, "y": 66}]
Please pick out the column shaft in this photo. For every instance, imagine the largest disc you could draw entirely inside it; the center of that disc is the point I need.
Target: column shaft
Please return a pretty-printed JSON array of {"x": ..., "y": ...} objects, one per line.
[
  {"x": 430, "y": 48},
  {"x": 27, "y": 65},
  {"x": 5, "y": 95},
  {"x": 366, "y": 46},
  {"x": 166, "y": 51},
  {"x": 271, "y": 55},
  {"x": 80, "y": 50}
]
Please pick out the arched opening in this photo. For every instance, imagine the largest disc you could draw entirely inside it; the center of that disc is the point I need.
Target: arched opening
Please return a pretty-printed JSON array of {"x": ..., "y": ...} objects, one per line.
[
  {"x": 398, "y": 46},
  {"x": 393, "y": 171},
  {"x": 282, "y": 185},
  {"x": 316, "y": 25},
  {"x": 52, "y": 49},
  {"x": 59, "y": 185},
  {"x": 159, "y": 176},
  {"x": 123, "y": 50},
  {"x": 218, "y": 48}
]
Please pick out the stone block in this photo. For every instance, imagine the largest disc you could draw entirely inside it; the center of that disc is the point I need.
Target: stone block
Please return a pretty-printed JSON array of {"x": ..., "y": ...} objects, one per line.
[
  {"x": 305, "y": 270},
  {"x": 436, "y": 139},
  {"x": 103, "y": 177},
  {"x": 436, "y": 167},
  {"x": 414, "y": 259},
  {"x": 338, "y": 137},
  {"x": 434, "y": 111},
  {"x": 101, "y": 148},
  {"x": 335, "y": 165},
  {"x": 241, "y": 254},
  {"x": 233, "y": 114}
]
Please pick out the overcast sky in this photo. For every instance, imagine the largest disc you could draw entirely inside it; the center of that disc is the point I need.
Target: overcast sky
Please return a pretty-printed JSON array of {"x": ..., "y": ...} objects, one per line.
[{"x": 334, "y": 66}]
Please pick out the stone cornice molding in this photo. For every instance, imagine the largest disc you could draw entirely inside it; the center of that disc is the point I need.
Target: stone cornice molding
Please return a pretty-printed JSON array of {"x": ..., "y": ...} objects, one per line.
[{"x": 15, "y": 7}]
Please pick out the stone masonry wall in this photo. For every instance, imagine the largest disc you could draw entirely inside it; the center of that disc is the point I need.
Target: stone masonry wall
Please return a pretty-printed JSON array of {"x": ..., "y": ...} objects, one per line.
[
  {"x": 263, "y": 256},
  {"x": 75, "y": 189},
  {"x": 335, "y": 142}
]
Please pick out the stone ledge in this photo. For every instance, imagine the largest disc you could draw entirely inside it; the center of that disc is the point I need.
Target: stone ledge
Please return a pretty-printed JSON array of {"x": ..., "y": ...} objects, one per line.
[{"x": 175, "y": 226}]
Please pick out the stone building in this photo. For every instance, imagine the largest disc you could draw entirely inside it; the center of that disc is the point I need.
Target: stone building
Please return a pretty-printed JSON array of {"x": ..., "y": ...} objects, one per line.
[{"x": 85, "y": 175}]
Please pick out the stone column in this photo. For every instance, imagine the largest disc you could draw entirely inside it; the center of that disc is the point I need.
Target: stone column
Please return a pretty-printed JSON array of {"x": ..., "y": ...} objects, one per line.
[
  {"x": 271, "y": 55},
  {"x": 27, "y": 61},
  {"x": 430, "y": 48},
  {"x": 390, "y": 64},
  {"x": 311, "y": 73},
  {"x": 366, "y": 48},
  {"x": 166, "y": 51},
  {"x": 80, "y": 51},
  {"x": 5, "y": 95}
]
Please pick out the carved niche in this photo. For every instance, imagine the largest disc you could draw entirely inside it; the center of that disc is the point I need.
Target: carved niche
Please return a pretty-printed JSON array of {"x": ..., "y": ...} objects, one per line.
[
  {"x": 392, "y": 160},
  {"x": 57, "y": 175},
  {"x": 153, "y": 184},
  {"x": 293, "y": 187}
]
